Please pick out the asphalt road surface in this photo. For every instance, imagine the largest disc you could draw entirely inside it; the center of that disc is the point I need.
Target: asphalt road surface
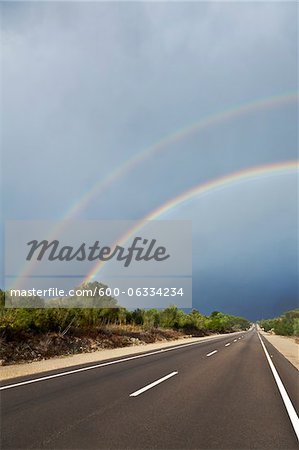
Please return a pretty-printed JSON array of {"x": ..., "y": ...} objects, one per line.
[{"x": 219, "y": 394}]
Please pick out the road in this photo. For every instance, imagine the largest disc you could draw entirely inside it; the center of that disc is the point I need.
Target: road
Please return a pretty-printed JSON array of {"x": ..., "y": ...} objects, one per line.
[{"x": 218, "y": 394}]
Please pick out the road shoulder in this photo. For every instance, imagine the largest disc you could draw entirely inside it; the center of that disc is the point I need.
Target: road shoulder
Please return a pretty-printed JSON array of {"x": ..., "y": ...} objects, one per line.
[{"x": 285, "y": 345}]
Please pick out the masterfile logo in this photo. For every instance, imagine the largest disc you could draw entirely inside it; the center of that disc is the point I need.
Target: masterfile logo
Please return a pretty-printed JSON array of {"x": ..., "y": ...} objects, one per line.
[
  {"x": 145, "y": 251},
  {"x": 40, "y": 248}
]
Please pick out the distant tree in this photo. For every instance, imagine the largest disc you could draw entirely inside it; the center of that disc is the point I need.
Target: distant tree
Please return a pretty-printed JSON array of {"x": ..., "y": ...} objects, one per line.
[
  {"x": 151, "y": 318},
  {"x": 296, "y": 326},
  {"x": 171, "y": 317},
  {"x": 285, "y": 325},
  {"x": 138, "y": 316}
]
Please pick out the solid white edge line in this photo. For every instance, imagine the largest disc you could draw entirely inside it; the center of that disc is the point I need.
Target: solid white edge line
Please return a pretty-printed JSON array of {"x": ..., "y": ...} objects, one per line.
[
  {"x": 212, "y": 353},
  {"x": 149, "y": 386},
  {"x": 96, "y": 366},
  {"x": 286, "y": 399},
  {"x": 226, "y": 345}
]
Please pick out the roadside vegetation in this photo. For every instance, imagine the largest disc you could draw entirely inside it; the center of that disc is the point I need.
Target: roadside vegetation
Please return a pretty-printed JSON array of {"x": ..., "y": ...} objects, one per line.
[
  {"x": 28, "y": 334},
  {"x": 285, "y": 325}
]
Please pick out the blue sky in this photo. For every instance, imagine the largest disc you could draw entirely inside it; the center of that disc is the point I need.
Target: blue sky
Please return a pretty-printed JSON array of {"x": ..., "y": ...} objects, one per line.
[{"x": 87, "y": 86}]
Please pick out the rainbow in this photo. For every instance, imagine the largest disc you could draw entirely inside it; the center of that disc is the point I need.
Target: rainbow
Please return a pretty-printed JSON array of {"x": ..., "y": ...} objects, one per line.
[
  {"x": 208, "y": 187},
  {"x": 138, "y": 158},
  {"x": 128, "y": 165}
]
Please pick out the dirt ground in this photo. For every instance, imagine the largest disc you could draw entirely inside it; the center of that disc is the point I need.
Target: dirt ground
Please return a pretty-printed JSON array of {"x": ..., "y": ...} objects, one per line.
[
  {"x": 28, "y": 347},
  {"x": 286, "y": 345}
]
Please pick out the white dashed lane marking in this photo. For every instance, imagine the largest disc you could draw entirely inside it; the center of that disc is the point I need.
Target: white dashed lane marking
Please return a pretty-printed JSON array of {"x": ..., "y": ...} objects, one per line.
[
  {"x": 151, "y": 385},
  {"x": 212, "y": 353}
]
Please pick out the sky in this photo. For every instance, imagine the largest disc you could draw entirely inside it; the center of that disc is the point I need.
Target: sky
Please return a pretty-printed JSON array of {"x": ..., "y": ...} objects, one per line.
[{"x": 86, "y": 87}]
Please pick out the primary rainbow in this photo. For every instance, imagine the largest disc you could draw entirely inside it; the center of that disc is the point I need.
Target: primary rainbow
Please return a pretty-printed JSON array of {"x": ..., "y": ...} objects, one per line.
[{"x": 249, "y": 174}]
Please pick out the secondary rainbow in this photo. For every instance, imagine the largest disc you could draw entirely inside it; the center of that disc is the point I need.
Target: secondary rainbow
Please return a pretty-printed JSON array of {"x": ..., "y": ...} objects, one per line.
[{"x": 138, "y": 158}]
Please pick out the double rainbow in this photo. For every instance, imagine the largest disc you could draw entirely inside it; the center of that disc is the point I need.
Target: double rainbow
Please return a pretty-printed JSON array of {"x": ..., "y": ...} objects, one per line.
[{"x": 130, "y": 164}]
